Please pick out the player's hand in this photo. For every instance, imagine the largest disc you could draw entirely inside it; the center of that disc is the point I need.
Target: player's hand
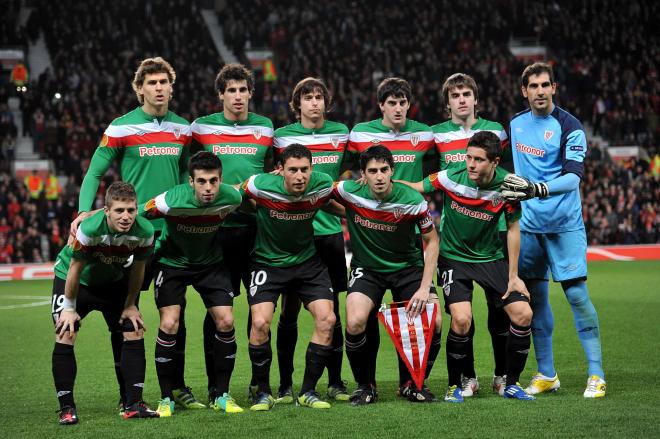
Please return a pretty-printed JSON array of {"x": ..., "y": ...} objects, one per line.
[
  {"x": 133, "y": 314},
  {"x": 417, "y": 304},
  {"x": 516, "y": 284},
  {"x": 361, "y": 181},
  {"x": 276, "y": 171},
  {"x": 517, "y": 188},
  {"x": 67, "y": 323},
  {"x": 74, "y": 225}
]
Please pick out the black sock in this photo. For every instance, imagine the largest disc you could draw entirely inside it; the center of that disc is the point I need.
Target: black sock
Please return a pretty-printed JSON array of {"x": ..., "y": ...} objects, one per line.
[
  {"x": 117, "y": 342},
  {"x": 261, "y": 357},
  {"x": 316, "y": 360},
  {"x": 64, "y": 373},
  {"x": 209, "y": 351},
  {"x": 337, "y": 355},
  {"x": 133, "y": 366},
  {"x": 434, "y": 350},
  {"x": 165, "y": 362},
  {"x": 498, "y": 326},
  {"x": 178, "y": 380},
  {"x": 287, "y": 336},
  {"x": 456, "y": 346},
  {"x": 357, "y": 351},
  {"x": 468, "y": 364},
  {"x": 225, "y": 357},
  {"x": 373, "y": 344},
  {"x": 517, "y": 349}
]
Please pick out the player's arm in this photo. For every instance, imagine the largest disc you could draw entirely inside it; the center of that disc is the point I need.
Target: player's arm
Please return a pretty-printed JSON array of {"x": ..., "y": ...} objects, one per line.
[
  {"x": 131, "y": 311},
  {"x": 69, "y": 316},
  {"x": 98, "y": 166},
  {"x": 418, "y": 186},
  {"x": 334, "y": 208},
  {"x": 149, "y": 210},
  {"x": 76, "y": 223},
  {"x": 419, "y": 300},
  {"x": 513, "y": 245},
  {"x": 183, "y": 163}
]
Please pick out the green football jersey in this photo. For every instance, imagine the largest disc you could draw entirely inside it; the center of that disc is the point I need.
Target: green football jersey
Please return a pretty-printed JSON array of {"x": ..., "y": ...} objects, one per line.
[
  {"x": 328, "y": 145},
  {"x": 104, "y": 250},
  {"x": 451, "y": 141},
  {"x": 241, "y": 145},
  {"x": 190, "y": 235},
  {"x": 408, "y": 146},
  {"x": 470, "y": 231},
  {"x": 285, "y": 231},
  {"x": 152, "y": 156},
  {"x": 383, "y": 232}
]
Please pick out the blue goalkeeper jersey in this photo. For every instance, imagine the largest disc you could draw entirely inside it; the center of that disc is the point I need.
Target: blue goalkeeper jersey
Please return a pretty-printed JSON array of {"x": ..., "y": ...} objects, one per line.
[{"x": 544, "y": 148}]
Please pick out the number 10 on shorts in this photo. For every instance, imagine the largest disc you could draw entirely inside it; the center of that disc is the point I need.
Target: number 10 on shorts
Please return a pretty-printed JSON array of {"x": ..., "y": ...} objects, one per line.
[{"x": 257, "y": 278}]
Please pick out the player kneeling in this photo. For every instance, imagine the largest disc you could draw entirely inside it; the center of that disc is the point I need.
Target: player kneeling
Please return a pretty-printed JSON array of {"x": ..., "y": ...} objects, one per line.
[{"x": 89, "y": 277}]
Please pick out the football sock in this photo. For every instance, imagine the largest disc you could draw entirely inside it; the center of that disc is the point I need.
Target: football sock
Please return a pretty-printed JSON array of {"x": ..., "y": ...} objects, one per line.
[
  {"x": 357, "y": 352},
  {"x": 456, "y": 352},
  {"x": 335, "y": 360},
  {"x": 133, "y": 365},
  {"x": 261, "y": 357},
  {"x": 165, "y": 357},
  {"x": 117, "y": 342},
  {"x": 64, "y": 373},
  {"x": 373, "y": 344},
  {"x": 316, "y": 358},
  {"x": 287, "y": 336},
  {"x": 225, "y": 357},
  {"x": 498, "y": 326},
  {"x": 209, "y": 350},
  {"x": 542, "y": 326},
  {"x": 468, "y": 364},
  {"x": 434, "y": 350},
  {"x": 517, "y": 350},
  {"x": 178, "y": 381},
  {"x": 586, "y": 324}
]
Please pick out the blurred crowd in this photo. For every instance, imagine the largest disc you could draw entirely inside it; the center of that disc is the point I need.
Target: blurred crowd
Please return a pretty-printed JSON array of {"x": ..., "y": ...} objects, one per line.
[{"x": 607, "y": 75}]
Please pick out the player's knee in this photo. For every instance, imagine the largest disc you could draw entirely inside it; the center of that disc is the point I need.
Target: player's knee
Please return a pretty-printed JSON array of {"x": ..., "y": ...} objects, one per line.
[
  {"x": 135, "y": 335},
  {"x": 355, "y": 324},
  {"x": 522, "y": 317},
  {"x": 461, "y": 323},
  {"x": 260, "y": 325},
  {"x": 169, "y": 324},
  {"x": 225, "y": 322},
  {"x": 325, "y": 321}
]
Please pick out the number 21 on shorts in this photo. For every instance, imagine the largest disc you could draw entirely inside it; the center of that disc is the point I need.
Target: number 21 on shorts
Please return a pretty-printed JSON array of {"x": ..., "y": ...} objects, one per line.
[{"x": 447, "y": 280}]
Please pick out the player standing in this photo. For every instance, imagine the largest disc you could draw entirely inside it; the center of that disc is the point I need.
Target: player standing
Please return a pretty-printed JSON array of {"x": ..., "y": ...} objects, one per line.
[
  {"x": 382, "y": 218},
  {"x": 461, "y": 95},
  {"x": 188, "y": 253},
  {"x": 151, "y": 146},
  {"x": 243, "y": 141},
  {"x": 285, "y": 261},
  {"x": 89, "y": 277},
  {"x": 327, "y": 141},
  {"x": 549, "y": 146},
  {"x": 408, "y": 141}
]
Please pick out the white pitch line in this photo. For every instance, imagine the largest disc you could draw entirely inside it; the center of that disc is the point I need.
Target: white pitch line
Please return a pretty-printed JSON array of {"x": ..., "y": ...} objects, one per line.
[
  {"x": 25, "y": 297},
  {"x": 25, "y": 305}
]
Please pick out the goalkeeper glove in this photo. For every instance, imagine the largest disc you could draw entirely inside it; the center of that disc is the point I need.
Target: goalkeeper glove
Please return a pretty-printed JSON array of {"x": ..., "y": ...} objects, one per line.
[{"x": 517, "y": 188}]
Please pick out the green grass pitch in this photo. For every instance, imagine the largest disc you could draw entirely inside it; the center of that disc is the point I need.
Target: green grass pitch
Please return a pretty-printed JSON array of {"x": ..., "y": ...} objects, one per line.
[{"x": 626, "y": 296}]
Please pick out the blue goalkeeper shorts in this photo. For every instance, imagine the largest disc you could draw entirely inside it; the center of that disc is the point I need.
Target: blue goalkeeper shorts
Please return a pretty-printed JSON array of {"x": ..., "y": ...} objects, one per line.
[{"x": 564, "y": 254}]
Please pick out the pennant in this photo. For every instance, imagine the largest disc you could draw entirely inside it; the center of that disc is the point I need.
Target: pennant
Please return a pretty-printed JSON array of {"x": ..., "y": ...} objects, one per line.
[{"x": 411, "y": 341}]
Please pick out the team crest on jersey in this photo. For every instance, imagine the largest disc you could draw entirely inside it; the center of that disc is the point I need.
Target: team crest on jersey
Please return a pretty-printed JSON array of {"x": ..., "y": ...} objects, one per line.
[
  {"x": 141, "y": 133},
  {"x": 335, "y": 142},
  {"x": 132, "y": 245},
  {"x": 548, "y": 135},
  {"x": 414, "y": 139},
  {"x": 398, "y": 213},
  {"x": 496, "y": 200},
  {"x": 104, "y": 140},
  {"x": 256, "y": 133},
  {"x": 177, "y": 133},
  {"x": 314, "y": 198},
  {"x": 375, "y": 141}
]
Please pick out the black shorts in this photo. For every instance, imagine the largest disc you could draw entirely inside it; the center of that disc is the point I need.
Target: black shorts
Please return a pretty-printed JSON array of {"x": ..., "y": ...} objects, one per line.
[
  {"x": 330, "y": 249},
  {"x": 456, "y": 277},
  {"x": 108, "y": 299},
  {"x": 237, "y": 244},
  {"x": 309, "y": 281},
  {"x": 212, "y": 283},
  {"x": 403, "y": 283}
]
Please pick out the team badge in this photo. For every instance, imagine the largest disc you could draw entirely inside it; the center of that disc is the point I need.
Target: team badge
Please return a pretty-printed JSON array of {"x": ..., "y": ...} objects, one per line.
[
  {"x": 256, "y": 133},
  {"x": 433, "y": 177},
  {"x": 141, "y": 133},
  {"x": 132, "y": 245},
  {"x": 104, "y": 140},
  {"x": 177, "y": 133},
  {"x": 414, "y": 139},
  {"x": 496, "y": 200},
  {"x": 375, "y": 141},
  {"x": 335, "y": 142},
  {"x": 548, "y": 135},
  {"x": 398, "y": 212},
  {"x": 314, "y": 198}
]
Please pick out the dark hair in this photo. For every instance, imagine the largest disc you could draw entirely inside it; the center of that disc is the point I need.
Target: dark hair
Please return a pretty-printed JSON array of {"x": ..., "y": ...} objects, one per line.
[
  {"x": 120, "y": 191},
  {"x": 394, "y": 87},
  {"x": 235, "y": 72},
  {"x": 377, "y": 152},
  {"x": 536, "y": 69},
  {"x": 458, "y": 80},
  {"x": 150, "y": 66},
  {"x": 296, "y": 151},
  {"x": 204, "y": 160},
  {"x": 308, "y": 85},
  {"x": 487, "y": 141}
]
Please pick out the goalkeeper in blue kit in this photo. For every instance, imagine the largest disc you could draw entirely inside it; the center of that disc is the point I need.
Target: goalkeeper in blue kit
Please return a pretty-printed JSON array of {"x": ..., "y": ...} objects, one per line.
[{"x": 549, "y": 146}]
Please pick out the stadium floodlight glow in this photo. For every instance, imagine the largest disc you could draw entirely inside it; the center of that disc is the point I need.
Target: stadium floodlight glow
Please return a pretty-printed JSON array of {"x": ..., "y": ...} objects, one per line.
[
  {"x": 58, "y": 95},
  {"x": 18, "y": 88},
  {"x": 24, "y": 89}
]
